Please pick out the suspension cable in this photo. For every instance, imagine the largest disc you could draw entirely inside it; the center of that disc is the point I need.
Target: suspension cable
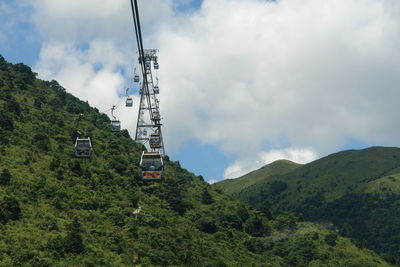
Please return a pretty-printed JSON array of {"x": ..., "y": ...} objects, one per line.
[{"x": 139, "y": 39}]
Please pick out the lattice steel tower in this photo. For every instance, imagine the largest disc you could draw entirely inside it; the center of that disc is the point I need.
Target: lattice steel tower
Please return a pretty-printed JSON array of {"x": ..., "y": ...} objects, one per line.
[{"x": 148, "y": 128}]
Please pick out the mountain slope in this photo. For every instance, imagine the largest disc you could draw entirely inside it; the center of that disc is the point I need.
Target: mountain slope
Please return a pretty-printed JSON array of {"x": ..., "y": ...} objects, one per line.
[
  {"x": 357, "y": 190},
  {"x": 59, "y": 210},
  {"x": 278, "y": 167}
]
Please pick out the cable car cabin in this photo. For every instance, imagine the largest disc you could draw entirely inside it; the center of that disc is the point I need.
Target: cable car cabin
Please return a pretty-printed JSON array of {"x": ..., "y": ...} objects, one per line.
[
  {"x": 136, "y": 78},
  {"x": 156, "y": 89},
  {"x": 155, "y": 140},
  {"x": 129, "y": 102},
  {"x": 152, "y": 166},
  {"x": 141, "y": 91},
  {"x": 83, "y": 147},
  {"x": 147, "y": 65},
  {"x": 156, "y": 65},
  {"x": 156, "y": 116},
  {"x": 115, "y": 126}
]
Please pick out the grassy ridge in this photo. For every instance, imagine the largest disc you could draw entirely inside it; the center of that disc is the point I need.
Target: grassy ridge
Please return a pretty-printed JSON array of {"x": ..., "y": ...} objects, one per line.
[
  {"x": 357, "y": 190},
  {"x": 279, "y": 167}
]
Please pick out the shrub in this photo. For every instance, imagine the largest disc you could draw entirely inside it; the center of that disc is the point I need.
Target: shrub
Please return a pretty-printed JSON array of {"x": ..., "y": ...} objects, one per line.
[
  {"x": 5, "y": 177},
  {"x": 9, "y": 210},
  {"x": 206, "y": 197},
  {"x": 330, "y": 239},
  {"x": 256, "y": 227},
  {"x": 277, "y": 187}
]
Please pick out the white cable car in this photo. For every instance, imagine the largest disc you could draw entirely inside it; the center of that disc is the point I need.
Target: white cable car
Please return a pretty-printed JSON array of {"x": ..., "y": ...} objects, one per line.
[
  {"x": 152, "y": 166},
  {"x": 115, "y": 125},
  {"x": 156, "y": 116},
  {"x": 135, "y": 76},
  {"x": 156, "y": 66},
  {"x": 155, "y": 140},
  {"x": 147, "y": 65},
  {"x": 156, "y": 89},
  {"x": 129, "y": 102},
  {"x": 83, "y": 147}
]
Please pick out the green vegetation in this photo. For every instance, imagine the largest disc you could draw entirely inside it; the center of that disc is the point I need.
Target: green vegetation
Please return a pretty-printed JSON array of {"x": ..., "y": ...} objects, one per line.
[
  {"x": 58, "y": 210},
  {"x": 232, "y": 186},
  {"x": 358, "y": 191}
]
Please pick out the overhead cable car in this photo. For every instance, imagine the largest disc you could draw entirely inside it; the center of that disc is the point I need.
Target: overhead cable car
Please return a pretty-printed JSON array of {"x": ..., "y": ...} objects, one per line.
[
  {"x": 156, "y": 89},
  {"x": 115, "y": 125},
  {"x": 83, "y": 147},
  {"x": 135, "y": 76},
  {"x": 152, "y": 166},
  {"x": 156, "y": 66},
  {"x": 129, "y": 100},
  {"x": 156, "y": 116},
  {"x": 155, "y": 140}
]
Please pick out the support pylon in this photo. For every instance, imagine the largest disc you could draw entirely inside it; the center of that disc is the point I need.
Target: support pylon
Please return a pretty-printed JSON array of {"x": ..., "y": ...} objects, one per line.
[{"x": 148, "y": 127}]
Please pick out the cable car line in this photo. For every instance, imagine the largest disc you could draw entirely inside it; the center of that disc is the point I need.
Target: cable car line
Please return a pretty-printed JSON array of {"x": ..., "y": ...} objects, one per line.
[
  {"x": 151, "y": 163},
  {"x": 139, "y": 40}
]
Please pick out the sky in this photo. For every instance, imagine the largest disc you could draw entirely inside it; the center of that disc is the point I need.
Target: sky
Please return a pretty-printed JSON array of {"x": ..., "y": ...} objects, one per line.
[{"x": 242, "y": 82}]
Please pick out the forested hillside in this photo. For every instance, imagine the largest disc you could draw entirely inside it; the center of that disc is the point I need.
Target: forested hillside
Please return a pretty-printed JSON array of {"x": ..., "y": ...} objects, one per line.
[
  {"x": 356, "y": 190},
  {"x": 59, "y": 210}
]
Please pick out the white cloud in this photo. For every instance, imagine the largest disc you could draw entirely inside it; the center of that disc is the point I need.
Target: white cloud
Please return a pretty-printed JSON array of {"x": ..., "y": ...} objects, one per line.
[
  {"x": 90, "y": 48},
  {"x": 241, "y": 167},
  {"x": 249, "y": 75},
  {"x": 212, "y": 181},
  {"x": 245, "y": 75},
  {"x": 75, "y": 70}
]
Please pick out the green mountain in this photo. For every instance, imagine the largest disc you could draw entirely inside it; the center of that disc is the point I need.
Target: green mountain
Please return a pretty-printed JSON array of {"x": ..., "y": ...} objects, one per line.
[
  {"x": 356, "y": 190},
  {"x": 279, "y": 167},
  {"x": 59, "y": 210}
]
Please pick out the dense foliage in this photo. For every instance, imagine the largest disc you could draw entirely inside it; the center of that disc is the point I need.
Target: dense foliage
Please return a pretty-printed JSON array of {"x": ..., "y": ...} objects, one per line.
[
  {"x": 356, "y": 192},
  {"x": 58, "y": 210}
]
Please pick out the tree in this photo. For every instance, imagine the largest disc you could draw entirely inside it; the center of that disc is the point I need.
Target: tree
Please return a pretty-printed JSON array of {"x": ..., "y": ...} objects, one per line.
[
  {"x": 330, "y": 239},
  {"x": 6, "y": 122},
  {"x": 256, "y": 227},
  {"x": 277, "y": 187},
  {"x": 73, "y": 241},
  {"x": 42, "y": 141},
  {"x": 9, "y": 210},
  {"x": 286, "y": 220},
  {"x": 5, "y": 177},
  {"x": 206, "y": 197},
  {"x": 25, "y": 72}
]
